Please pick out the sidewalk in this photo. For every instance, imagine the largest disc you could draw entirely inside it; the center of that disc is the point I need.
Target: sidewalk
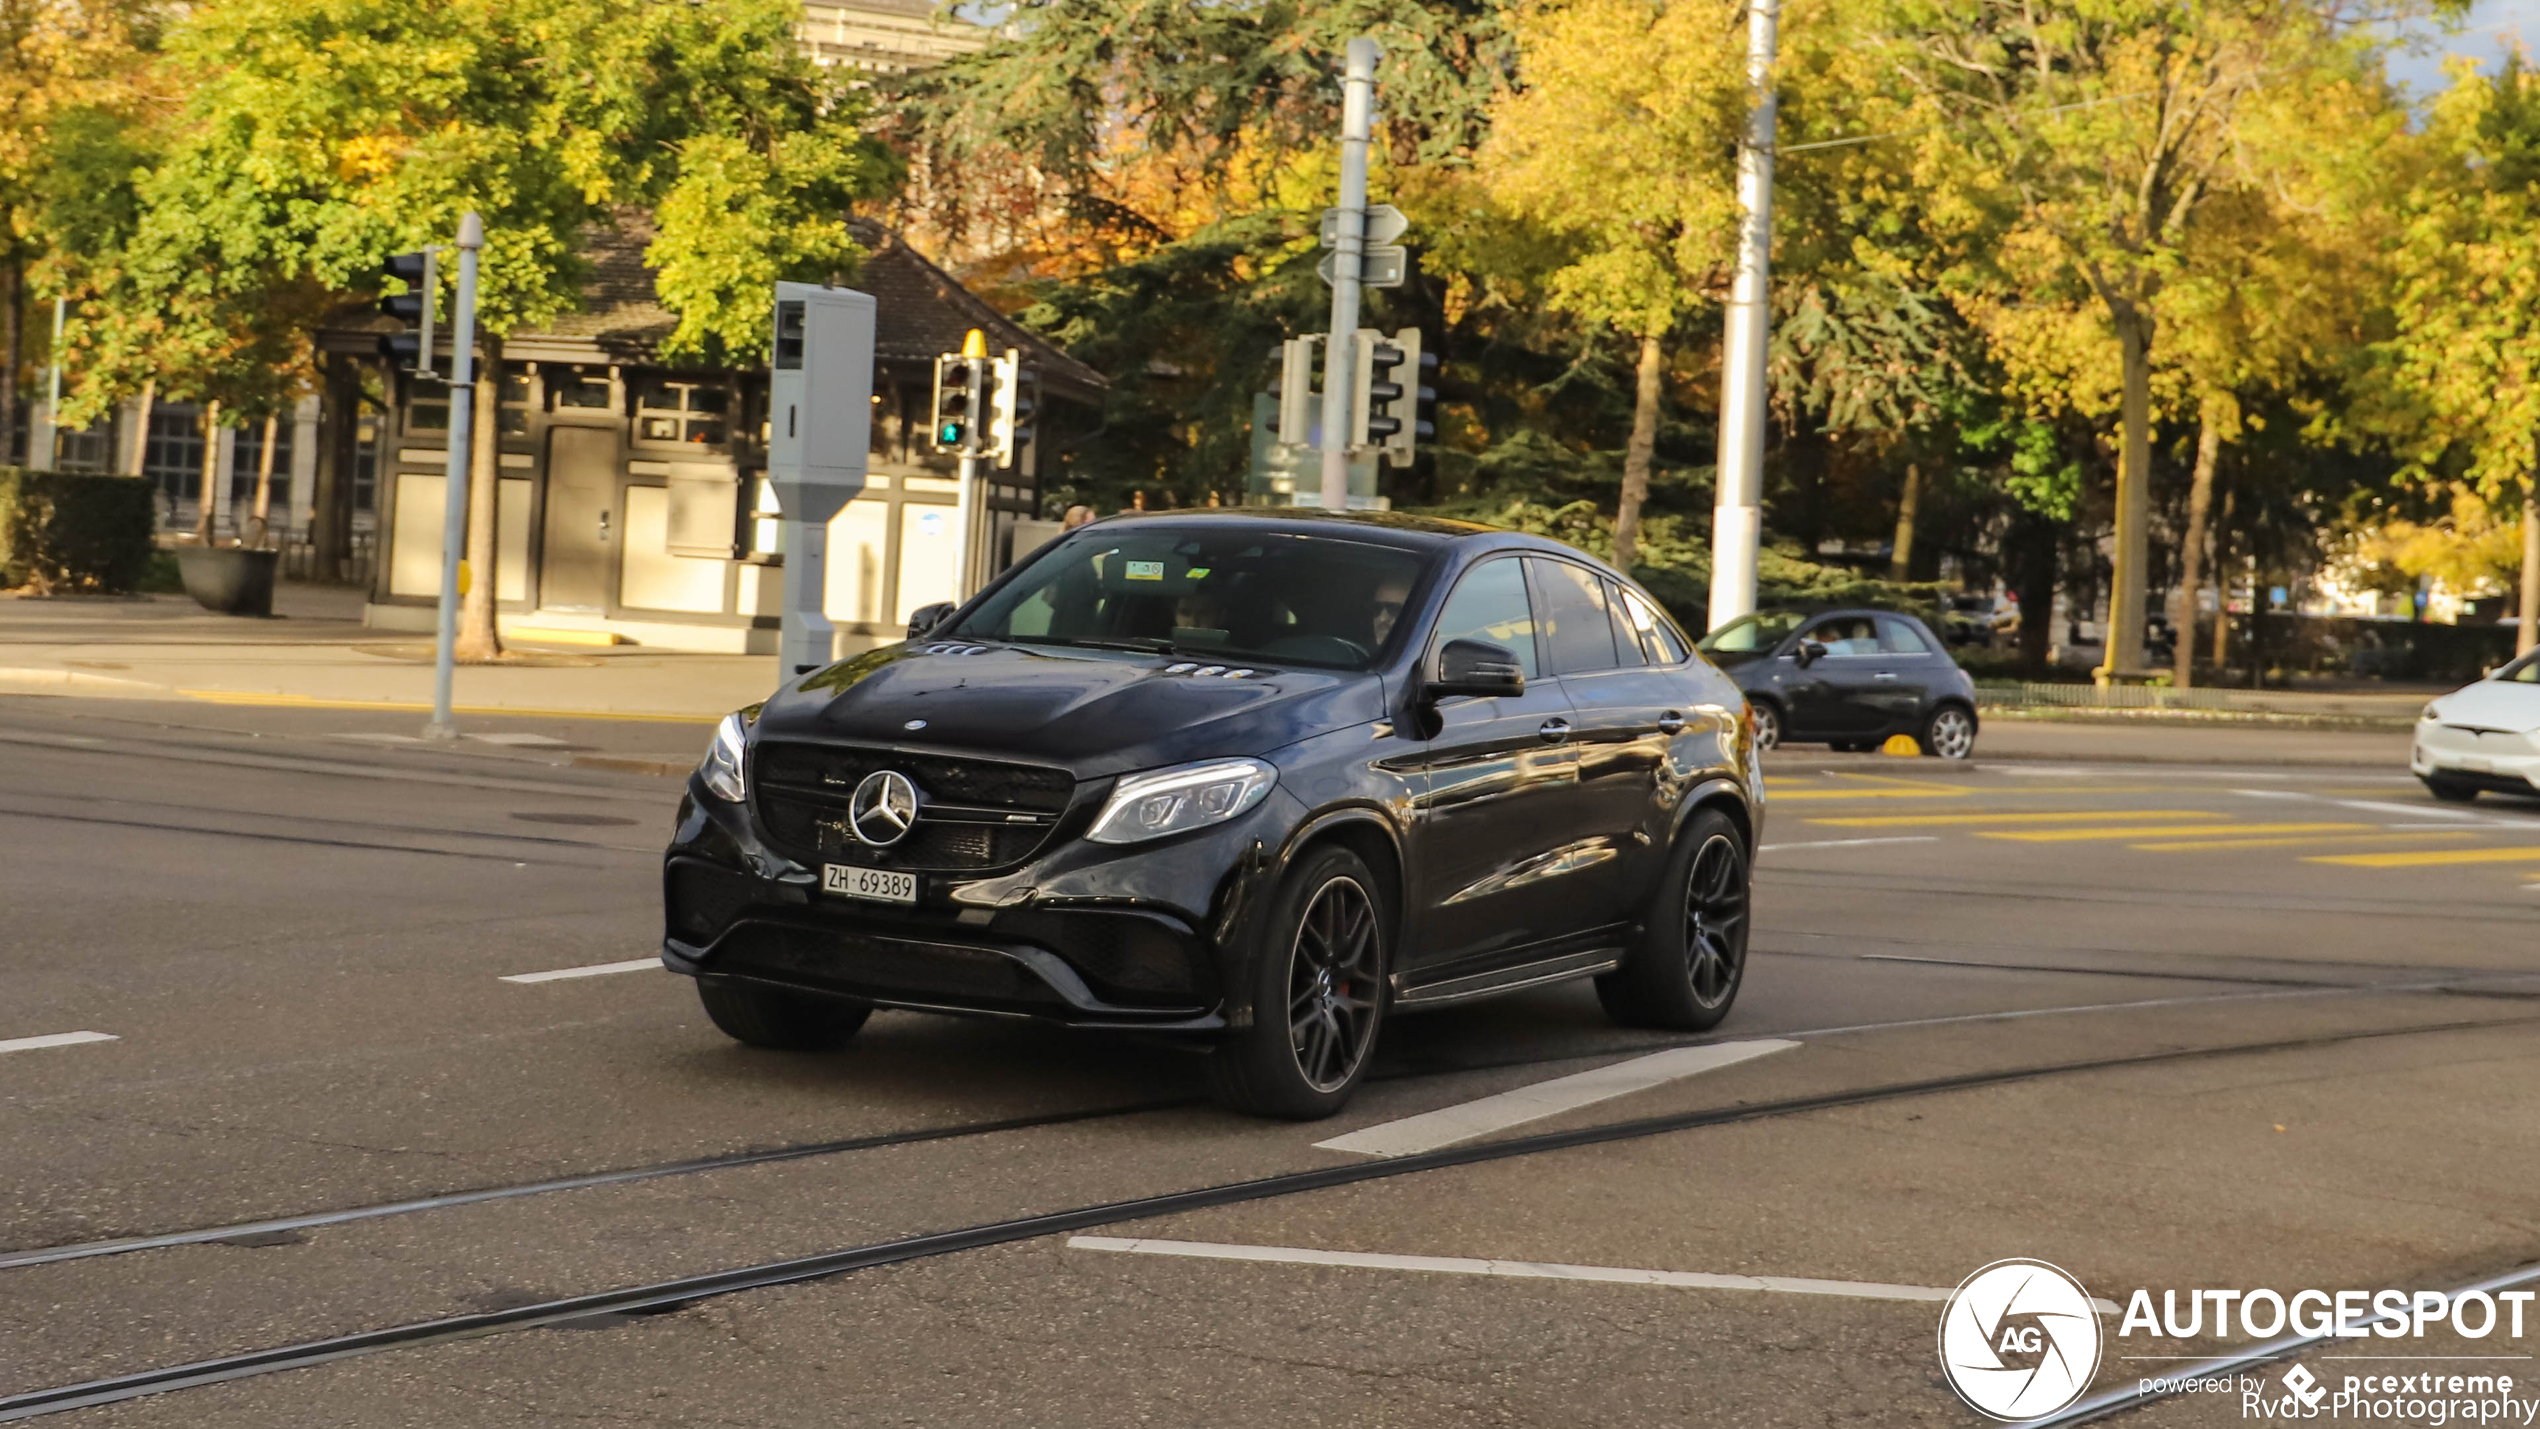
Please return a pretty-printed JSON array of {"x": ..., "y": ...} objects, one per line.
[{"x": 314, "y": 652}]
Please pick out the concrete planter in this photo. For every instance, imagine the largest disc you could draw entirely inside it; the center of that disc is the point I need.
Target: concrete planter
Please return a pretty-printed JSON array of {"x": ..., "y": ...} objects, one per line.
[{"x": 229, "y": 579}]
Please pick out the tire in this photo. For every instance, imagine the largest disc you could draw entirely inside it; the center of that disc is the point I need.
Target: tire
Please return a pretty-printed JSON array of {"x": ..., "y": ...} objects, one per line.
[
  {"x": 1850, "y": 746},
  {"x": 786, "y": 1021},
  {"x": 1768, "y": 723},
  {"x": 1692, "y": 955},
  {"x": 1319, "y": 993},
  {"x": 2450, "y": 790},
  {"x": 1950, "y": 733}
]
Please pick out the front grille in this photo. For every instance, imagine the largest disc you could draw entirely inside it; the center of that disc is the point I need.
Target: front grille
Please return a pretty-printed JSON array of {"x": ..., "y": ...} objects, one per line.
[
  {"x": 803, "y": 792},
  {"x": 856, "y": 962},
  {"x": 702, "y": 898}
]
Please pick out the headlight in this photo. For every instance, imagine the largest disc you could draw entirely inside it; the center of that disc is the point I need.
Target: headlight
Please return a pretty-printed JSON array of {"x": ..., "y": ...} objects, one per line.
[
  {"x": 2432, "y": 712},
  {"x": 1172, "y": 801},
  {"x": 721, "y": 769}
]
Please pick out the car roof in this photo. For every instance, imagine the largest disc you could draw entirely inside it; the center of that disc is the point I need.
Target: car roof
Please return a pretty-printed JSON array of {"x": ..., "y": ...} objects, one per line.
[{"x": 1406, "y": 529}]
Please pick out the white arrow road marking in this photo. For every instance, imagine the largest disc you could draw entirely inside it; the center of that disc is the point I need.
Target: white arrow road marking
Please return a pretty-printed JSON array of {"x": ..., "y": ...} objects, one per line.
[
  {"x": 631, "y": 965},
  {"x": 57, "y": 1039},
  {"x": 1449, "y": 1125}
]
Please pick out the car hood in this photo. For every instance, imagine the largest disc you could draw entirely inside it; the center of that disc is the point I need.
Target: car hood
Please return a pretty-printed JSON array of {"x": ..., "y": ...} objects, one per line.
[
  {"x": 2493, "y": 704},
  {"x": 1094, "y": 712}
]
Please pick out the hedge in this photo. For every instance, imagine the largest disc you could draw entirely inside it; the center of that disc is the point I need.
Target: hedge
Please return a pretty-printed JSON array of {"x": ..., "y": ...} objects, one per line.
[{"x": 63, "y": 532}]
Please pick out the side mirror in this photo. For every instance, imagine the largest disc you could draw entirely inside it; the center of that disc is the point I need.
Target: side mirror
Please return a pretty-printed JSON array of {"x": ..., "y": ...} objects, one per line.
[
  {"x": 1477, "y": 667},
  {"x": 1808, "y": 653},
  {"x": 923, "y": 620}
]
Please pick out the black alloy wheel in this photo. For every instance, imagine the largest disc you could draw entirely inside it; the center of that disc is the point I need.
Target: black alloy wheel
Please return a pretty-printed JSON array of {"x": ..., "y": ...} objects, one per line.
[
  {"x": 1319, "y": 994},
  {"x": 1950, "y": 733},
  {"x": 776, "y": 1018},
  {"x": 1767, "y": 722},
  {"x": 1692, "y": 954}
]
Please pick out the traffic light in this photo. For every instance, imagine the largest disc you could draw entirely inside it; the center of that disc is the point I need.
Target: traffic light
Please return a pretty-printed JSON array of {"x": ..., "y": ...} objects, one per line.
[
  {"x": 412, "y": 348},
  {"x": 1010, "y": 404},
  {"x": 1419, "y": 410},
  {"x": 960, "y": 383}
]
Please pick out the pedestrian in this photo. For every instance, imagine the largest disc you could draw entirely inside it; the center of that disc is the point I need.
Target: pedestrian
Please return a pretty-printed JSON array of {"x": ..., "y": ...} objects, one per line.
[{"x": 1076, "y": 516}]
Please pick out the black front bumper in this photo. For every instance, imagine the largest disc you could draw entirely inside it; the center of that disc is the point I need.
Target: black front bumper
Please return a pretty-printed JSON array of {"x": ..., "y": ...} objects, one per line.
[{"x": 1089, "y": 937}]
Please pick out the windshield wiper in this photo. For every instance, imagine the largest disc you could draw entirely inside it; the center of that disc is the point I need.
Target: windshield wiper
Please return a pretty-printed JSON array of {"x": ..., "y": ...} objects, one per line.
[{"x": 1143, "y": 647}]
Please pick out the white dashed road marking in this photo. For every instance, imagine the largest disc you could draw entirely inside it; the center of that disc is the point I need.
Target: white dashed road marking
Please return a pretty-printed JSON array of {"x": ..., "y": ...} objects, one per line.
[
  {"x": 1449, "y": 1125},
  {"x": 1850, "y": 843},
  {"x": 1523, "y": 1269},
  {"x": 631, "y": 965},
  {"x": 57, "y": 1039}
]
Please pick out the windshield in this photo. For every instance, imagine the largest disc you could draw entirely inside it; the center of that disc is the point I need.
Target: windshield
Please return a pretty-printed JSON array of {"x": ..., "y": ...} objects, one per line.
[
  {"x": 1221, "y": 595},
  {"x": 1750, "y": 633}
]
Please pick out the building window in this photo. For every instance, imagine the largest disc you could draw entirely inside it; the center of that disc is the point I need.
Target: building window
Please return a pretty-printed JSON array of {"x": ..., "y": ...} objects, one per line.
[
  {"x": 366, "y": 463},
  {"x": 173, "y": 455},
  {"x": 250, "y": 452},
  {"x": 686, "y": 412},
  {"x": 427, "y": 405},
  {"x": 579, "y": 388},
  {"x": 512, "y": 416},
  {"x": 92, "y": 450}
]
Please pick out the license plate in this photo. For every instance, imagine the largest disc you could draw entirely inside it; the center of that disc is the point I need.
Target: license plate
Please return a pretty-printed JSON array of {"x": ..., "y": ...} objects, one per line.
[{"x": 878, "y": 884}]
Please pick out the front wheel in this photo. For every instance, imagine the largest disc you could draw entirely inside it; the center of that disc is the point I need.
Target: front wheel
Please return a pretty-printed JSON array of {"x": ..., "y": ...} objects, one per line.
[
  {"x": 1692, "y": 953},
  {"x": 1318, "y": 994},
  {"x": 1767, "y": 722},
  {"x": 2450, "y": 790},
  {"x": 785, "y": 1021},
  {"x": 1949, "y": 734}
]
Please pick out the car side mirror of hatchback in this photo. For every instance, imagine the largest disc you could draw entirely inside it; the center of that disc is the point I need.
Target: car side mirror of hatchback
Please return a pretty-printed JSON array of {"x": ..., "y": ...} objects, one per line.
[
  {"x": 923, "y": 620},
  {"x": 1808, "y": 653},
  {"x": 1477, "y": 667}
]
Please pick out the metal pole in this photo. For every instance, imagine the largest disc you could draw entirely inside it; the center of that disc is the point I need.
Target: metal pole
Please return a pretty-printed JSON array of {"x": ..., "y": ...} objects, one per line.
[
  {"x": 1358, "y": 103},
  {"x": 1737, "y": 517},
  {"x": 966, "y": 503},
  {"x": 53, "y": 390},
  {"x": 454, "y": 472}
]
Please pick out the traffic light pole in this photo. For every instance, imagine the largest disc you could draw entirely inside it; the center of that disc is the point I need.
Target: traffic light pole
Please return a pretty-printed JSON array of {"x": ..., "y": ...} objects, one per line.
[
  {"x": 1737, "y": 517},
  {"x": 454, "y": 469},
  {"x": 1358, "y": 103},
  {"x": 966, "y": 502}
]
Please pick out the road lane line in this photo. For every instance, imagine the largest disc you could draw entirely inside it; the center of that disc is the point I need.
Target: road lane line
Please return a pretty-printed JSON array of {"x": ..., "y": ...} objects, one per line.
[
  {"x": 1885, "y": 821},
  {"x": 2294, "y": 841},
  {"x": 2429, "y": 858},
  {"x": 56, "y": 1039},
  {"x": 1851, "y": 843},
  {"x": 631, "y": 965},
  {"x": 2414, "y": 811},
  {"x": 1521, "y": 1269},
  {"x": 2217, "y": 830},
  {"x": 1449, "y": 1125}
]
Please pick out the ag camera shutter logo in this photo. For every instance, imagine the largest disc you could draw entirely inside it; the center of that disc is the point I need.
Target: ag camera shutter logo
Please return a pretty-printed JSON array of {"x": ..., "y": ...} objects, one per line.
[{"x": 2020, "y": 1338}]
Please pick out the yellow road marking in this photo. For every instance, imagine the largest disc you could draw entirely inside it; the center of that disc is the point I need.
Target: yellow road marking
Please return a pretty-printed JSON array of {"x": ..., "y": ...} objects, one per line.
[
  {"x": 2199, "y": 845},
  {"x": 2216, "y": 830},
  {"x": 2430, "y": 857},
  {"x": 1960, "y": 791},
  {"x": 1882, "y": 821}
]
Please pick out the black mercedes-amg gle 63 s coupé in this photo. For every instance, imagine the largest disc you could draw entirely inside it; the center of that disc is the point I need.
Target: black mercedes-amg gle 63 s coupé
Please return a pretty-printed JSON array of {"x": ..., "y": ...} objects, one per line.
[{"x": 1254, "y": 780}]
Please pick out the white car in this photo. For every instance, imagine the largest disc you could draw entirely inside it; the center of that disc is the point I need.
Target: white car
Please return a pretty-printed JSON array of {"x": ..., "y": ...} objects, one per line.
[{"x": 2483, "y": 736}]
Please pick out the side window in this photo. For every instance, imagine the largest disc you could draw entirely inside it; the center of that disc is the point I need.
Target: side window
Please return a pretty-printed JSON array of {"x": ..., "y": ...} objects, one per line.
[
  {"x": 1577, "y": 632},
  {"x": 1490, "y": 604},
  {"x": 1846, "y": 635},
  {"x": 1659, "y": 638},
  {"x": 1899, "y": 636},
  {"x": 2527, "y": 672},
  {"x": 1628, "y": 649}
]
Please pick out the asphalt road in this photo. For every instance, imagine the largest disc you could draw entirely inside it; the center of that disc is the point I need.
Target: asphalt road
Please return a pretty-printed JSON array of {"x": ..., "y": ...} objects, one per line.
[{"x": 2191, "y": 1024}]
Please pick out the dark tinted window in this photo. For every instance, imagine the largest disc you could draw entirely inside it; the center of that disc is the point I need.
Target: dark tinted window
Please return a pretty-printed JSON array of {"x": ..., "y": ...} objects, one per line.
[
  {"x": 1231, "y": 595},
  {"x": 2526, "y": 670},
  {"x": 1656, "y": 633},
  {"x": 1902, "y": 637},
  {"x": 1760, "y": 631},
  {"x": 1628, "y": 649},
  {"x": 1490, "y": 604},
  {"x": 1578, "y": 633}
]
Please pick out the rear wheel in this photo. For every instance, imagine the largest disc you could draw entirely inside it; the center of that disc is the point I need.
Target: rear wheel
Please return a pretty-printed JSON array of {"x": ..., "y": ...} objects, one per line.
[
  {"x": 2449, "y": 789},
  {"x": 1950, "y": 733},
  {"x": 786, "y": 1021},
  {"x": 1692, "y": 953},
  {"x": 1318, "y": 994}
]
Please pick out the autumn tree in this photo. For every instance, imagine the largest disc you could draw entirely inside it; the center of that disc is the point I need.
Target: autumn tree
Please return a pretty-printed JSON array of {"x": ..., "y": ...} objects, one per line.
[{"x": 320, "y": 136}]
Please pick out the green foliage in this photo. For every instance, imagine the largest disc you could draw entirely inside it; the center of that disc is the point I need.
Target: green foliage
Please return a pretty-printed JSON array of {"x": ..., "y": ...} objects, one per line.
[{"x": 62, "y": 533}]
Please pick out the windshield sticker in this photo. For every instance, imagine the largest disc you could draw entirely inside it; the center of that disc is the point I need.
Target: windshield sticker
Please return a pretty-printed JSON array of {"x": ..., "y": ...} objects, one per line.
[{"x": 1145, "y": 570}]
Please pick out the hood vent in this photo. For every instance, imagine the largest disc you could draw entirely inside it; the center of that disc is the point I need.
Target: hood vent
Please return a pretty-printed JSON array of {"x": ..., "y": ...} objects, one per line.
[
  {"x": 1214, "y": 672},
  {"x": 950, "y": 649}
]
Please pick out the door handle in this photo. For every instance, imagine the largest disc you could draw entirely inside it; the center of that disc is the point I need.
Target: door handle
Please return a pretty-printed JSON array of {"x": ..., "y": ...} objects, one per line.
[
  {"x": 1884, "y": 675},
  {"x": 1554, "y": 730},
  {"x": 1671, "y": 723}
]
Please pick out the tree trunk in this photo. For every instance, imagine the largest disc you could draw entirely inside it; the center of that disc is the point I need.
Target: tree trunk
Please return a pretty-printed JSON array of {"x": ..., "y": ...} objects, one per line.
[
  {"x": 12, "y": 353},
  {"x": 141, "y": 437},
  {"x": 203, "y": 501},
  {"x": 2527, "y": 634},
  {"x": 2038, "y": 551},
  {"x": 1636, "y": 456},
  {"x": 478, "y": 638},
  {"x": 2134, "y": 507},
  {"x": 2200, "y": 497},
  {"x": 263, "y": 513},
  {"x": 2222, "y": 589},
  {"x": 330, "y": 506},
  {"x": 1900, "y": 566}
]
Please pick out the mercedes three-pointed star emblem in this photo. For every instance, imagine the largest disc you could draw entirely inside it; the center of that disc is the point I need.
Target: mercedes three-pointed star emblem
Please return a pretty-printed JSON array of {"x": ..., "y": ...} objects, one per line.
[{"x": 884, "y": 808}]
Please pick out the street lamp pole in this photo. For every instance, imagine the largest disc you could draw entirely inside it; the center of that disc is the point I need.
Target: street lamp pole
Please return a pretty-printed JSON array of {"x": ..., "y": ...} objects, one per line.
[
  {"x": 454, "y": 470},
  {"x": 1737, "y": 516},
  {"x": 1358, "y": 104}
]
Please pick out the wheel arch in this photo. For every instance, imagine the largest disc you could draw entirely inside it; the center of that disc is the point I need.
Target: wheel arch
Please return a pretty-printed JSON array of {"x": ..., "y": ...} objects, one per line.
[{"x": 1724, "y": 794}]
